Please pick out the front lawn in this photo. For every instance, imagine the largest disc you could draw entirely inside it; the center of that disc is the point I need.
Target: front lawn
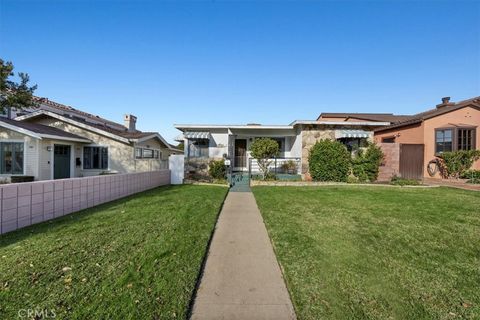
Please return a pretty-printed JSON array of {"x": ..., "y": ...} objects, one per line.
[
  {"x": 351, "y": 252},
  {"x": 135, "y": 258}
]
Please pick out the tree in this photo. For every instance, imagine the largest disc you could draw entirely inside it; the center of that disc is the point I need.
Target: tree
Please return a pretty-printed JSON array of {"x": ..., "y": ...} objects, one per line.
[
  {"x": 181, "y": 146},
  {"x": 14, "y": 95},
  {"x": 263, "y": 150}
]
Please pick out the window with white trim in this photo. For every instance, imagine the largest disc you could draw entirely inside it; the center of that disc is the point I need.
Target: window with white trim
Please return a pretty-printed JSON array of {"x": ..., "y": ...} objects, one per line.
[
  {"x": 95, "y": 158},
  {"x": 11, "y": 157}
]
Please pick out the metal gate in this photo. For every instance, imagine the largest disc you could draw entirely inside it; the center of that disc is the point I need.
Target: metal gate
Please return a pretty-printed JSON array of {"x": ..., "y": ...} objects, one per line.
[{"x": 411, "y": 161}]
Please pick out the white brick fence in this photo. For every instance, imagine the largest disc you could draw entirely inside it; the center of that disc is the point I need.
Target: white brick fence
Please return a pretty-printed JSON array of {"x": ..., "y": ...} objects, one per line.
[{"x": 24, "y": 204}]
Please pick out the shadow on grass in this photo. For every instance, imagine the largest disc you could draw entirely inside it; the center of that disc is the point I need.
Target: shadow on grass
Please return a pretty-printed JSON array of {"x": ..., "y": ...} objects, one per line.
[{"x": 79, "y": 216}]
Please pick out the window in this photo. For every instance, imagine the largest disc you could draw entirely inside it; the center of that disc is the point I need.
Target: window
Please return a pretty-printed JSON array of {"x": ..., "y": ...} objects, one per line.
[
  {"x": 452, "y": 139},
  {"x": 353, "y": 144},
  {"x": 443, "y": 141},
  {"x": 11, "y": 157},
  {"x": 281, "y": 144},
  {"x": 465, "y": 139},
  {"x": 138, "y": 153},
  {"x": 147, "y": 153},
  {"x": 95, "y": 158},
  {"x": 198, "y": 148},
  {"x": 388, "y": 140},
  {"x": 144, "y": 153}
]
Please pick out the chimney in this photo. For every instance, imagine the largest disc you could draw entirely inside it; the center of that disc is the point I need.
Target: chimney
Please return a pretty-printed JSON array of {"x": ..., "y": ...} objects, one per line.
[
  {"x": 445, "y": 102},
  {"x": 130, "y": 120}
]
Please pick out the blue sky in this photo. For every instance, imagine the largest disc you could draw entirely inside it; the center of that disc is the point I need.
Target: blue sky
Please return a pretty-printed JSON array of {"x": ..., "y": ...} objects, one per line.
[{"x": 240, "y": 62}]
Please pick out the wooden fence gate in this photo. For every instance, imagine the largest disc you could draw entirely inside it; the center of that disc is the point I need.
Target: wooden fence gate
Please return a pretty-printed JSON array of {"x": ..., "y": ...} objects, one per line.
[{"x": 411, "y": 161}]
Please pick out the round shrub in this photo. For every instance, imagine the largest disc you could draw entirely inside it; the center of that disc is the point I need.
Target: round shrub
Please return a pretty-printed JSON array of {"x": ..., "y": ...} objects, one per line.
[
  {"x": 216, "y": 169},
  {"x": 329, "y": 161},
  {"x": 366, "y": 164}
]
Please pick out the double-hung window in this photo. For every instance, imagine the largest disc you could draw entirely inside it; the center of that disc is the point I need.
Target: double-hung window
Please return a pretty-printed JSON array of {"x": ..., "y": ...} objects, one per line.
[
  {"x": 95, "y": 158},
  {"x": 11, "y": 157}
]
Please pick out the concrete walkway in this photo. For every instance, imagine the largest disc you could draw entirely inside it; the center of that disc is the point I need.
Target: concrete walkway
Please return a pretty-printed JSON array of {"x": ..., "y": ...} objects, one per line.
[{"x": 242, "y": 279}]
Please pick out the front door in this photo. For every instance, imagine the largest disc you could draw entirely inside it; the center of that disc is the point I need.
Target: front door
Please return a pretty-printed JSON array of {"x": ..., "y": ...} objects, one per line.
[
  {"x": 61, "y": 161},
  {"x": 240, "y": 160}
]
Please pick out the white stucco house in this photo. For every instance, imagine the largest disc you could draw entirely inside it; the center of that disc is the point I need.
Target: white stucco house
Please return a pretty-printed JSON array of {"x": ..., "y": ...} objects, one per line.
[
  {"x": 54, "y": 141},
  {"x": 206, "y": 142}
]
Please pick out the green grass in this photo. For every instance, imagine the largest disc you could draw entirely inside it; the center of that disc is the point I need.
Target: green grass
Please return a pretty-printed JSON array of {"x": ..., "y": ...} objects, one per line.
[
  {"x": 357, "y": 252},
  {"x": 135, "y": 258}
]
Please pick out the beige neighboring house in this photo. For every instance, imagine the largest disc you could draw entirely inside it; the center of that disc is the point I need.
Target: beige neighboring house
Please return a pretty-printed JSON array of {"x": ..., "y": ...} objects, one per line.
[{"x": 54, "y": 141}]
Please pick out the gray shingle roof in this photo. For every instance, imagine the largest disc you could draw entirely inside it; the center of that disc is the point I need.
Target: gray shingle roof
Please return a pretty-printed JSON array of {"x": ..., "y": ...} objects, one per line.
[{"x": 41, "y": 129}]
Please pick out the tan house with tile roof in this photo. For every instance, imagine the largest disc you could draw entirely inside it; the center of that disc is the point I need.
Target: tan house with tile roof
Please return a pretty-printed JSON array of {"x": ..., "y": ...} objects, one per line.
[
  {"x": 55, "y": 141},
  {"x": 448, "y": 127}
]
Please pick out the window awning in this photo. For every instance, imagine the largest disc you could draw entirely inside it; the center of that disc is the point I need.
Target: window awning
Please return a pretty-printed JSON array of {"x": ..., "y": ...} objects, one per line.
[
  {"x": 351, "y": 134},
  {"x": 197, "y": 135}
]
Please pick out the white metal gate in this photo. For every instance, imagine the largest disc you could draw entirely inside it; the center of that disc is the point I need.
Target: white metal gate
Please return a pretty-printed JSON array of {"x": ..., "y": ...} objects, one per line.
[{"x": 176, "y": 165}]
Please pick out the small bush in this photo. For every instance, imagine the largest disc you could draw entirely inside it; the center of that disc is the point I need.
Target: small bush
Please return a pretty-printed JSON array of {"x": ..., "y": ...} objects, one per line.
[
  {"x": 352, "y": 179},
  {"x": 398, "y": 181},
  {"x": 217, "y": 169},
  {"x": 329, "y": 161},
  {"x": 365, "y": 165},
  {"x": 474, "y": 181},
  {"x": 470, "y": 174},
  {"x": 289, "y": 166},
  {"x": 220, "y": 181}
]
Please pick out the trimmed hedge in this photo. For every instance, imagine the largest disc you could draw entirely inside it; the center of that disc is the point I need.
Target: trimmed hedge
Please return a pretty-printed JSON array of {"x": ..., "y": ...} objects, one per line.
[{"x": 329, "y": 160}]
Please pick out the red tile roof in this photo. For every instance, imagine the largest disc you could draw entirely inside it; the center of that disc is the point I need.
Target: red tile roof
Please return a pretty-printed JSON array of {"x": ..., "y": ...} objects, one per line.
[
  {"x": 439, "y": 110},
  {"x": 380, "y": 117}
]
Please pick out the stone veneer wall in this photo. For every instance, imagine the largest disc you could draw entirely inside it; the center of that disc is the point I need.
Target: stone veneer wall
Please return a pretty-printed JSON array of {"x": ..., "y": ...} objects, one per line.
[
  {"x": 391, "y": 161},
  {"x": 310, "y": 135},
  {"x": 197, "y": 168},
  {"x": 313, "y": 133},
  {"x": 24, "y": 204}
]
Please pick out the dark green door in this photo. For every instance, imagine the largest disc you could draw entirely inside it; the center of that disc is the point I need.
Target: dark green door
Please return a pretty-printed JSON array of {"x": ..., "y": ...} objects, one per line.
[{"x": 61, "y": 162}]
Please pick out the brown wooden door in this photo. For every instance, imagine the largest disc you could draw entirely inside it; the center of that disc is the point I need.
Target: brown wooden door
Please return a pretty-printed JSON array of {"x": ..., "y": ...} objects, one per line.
[
  {"x": 411, "y": 161},
  {"x": 240, "y": 153}
]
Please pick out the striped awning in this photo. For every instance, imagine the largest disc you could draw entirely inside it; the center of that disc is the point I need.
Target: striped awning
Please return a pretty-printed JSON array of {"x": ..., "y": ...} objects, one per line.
[
  {"x": 197, "y": 135},
  {"x": 351, "y": 134}
]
